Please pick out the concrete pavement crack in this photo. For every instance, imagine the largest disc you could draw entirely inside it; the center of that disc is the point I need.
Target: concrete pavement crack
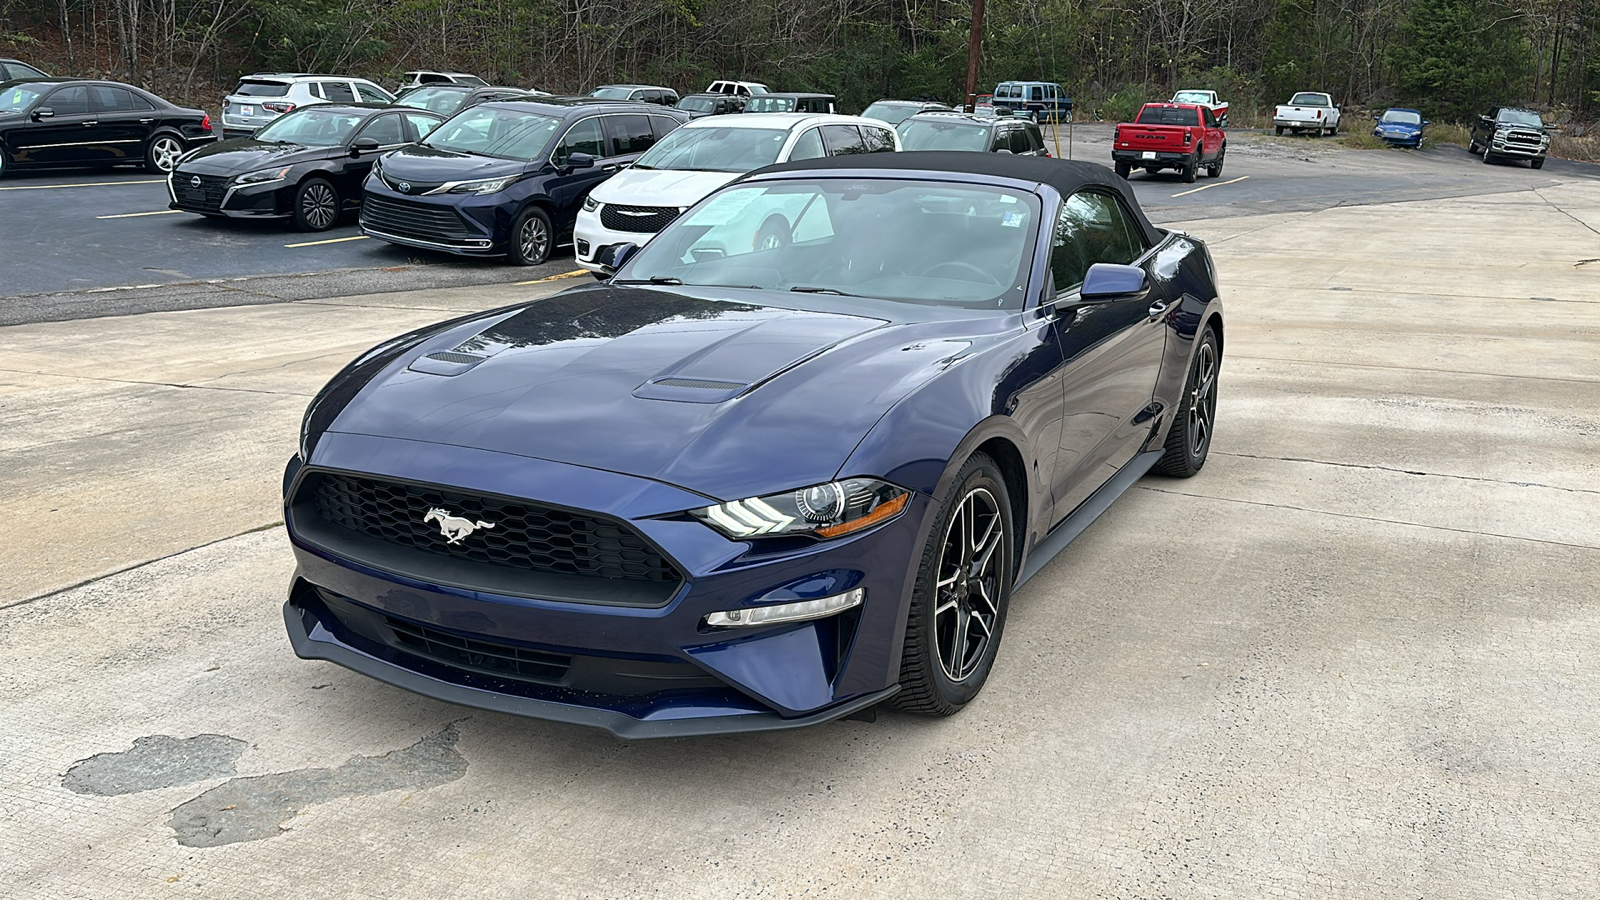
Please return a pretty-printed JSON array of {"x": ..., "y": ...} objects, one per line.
[
  {"x": 1355, "y": 365},
  {"x": 1360, "y": 518},
  {"x": 204, "y": 387},
  {"x": 1341, "y": 465},
  {"x": 1558, "y": 209}
]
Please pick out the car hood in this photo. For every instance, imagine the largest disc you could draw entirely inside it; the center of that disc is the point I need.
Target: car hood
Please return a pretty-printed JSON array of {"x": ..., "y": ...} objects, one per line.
[
  {"x": 660, "y": 187},
  {"x": 726, "y": 399},
  {"x": 426, "y": 165},
  {"x": 1404, "y": 127},
  {"x": 240, "y": 155}
]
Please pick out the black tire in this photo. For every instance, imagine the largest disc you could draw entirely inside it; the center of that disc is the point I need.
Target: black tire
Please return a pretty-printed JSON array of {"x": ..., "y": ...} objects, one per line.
[
  {"x": 161, "y": 154},
  {"x": 1473, "y": 146},
  {"x": 4, "y": 160},
  {"x": 1191, "y": 168},
  {"x": 1189, "y": 435},
  {"x": 532, "y": 238},
  {"x": 1537, "y": 163},
  {"x": 316, "y": 205},
  {"x": 774, "y": 233},
  {"x": 1215, "y": 169},
  {"x": 939, "y": 626},
  {"x": 1488, "y": 155},
  {"x": 1123, "y": 169},
  {"x": 1280, "y": 130}
]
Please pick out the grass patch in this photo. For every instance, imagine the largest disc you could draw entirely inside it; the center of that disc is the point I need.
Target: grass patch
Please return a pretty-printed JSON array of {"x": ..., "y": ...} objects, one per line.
[
  {"x": 1586, "y": 149},
  {"x": 1446, "y": 133},
  {"x": 1360, "y": 140}
]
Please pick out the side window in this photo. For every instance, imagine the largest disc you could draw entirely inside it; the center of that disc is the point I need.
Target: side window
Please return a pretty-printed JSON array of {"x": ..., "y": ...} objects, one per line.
[
  {"x": 809, "y": 146},
  {"x": 879, "y": 140},
  {"x": 385, "y": 129},
  {"x": 843, "y": 140},
  {"x": 1035, "y": 93},
  {"x": 584, "y": 137},
  {"x": 1092, "y": 229},
  {"x": 115, "y": 99},
  {"x": 338, "y": 91},
  {"x": 69, "y": 101},
  {"x": 370, "y": 94},
  {"x": 1020, "y": 143},
  {"x": 1208, "y": 118},
  {"x": 662, "y": 126},
  {"x": 421, "y": 126},
  {"x": 1001, "y": 140},
  {"x": 629, "y": 134}
]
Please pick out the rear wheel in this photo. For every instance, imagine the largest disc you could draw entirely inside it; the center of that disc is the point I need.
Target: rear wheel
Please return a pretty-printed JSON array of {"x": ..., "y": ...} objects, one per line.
[
  {"x": 1191, "y": 168},
  {"x": 1280, "y": 130},
  {"x": 958, "y": 605},
  {"x": 162, "y": 154},
  {"x": 316, "y": 205},
  {"x": 1123, "y": 169},
  {"x": 531, "y": 238},
  {"x": 1189, "y": 435},
  {"x": 1215, "y": 169}
]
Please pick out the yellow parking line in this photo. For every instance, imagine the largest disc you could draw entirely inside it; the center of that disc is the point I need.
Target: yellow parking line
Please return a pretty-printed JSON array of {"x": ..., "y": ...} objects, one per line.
[
  {"x": 1210, "y": 186},
  {"x": 573, "y": 274},
  {"x": 46, "y": 187},
  {"x": 359, "y": 237},
  {"x": 159, "y": 212}
]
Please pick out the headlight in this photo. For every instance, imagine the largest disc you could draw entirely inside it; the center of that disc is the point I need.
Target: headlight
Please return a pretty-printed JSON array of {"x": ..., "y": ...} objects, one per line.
[
  {"x": 263, "y": 176},
  {"x": 590, "y": 204},
  {"x": 822, "y": 511},
  {"x": 480, "y": 186}
]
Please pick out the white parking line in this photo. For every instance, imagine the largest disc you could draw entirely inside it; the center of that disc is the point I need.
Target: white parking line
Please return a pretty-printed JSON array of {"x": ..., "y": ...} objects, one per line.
[
  {"x": 359, "y": 237},
  {"x": 1210, "y": 186},
  {"x": 159, "y": 212},
  {"x": 46, "y": 187}
]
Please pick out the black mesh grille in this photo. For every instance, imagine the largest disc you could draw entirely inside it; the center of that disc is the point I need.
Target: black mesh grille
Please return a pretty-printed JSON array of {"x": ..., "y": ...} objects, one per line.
[
  {"x": 703, "y": 383},
  {"x": 207, "y": 195},
  {"x": 638, "y": 219},
  {"x": 490, "y": 530},
  {"x": 451, "y": 356},
  {"x": 403, "y": 218},
  {"x": 483, "y": 656}
]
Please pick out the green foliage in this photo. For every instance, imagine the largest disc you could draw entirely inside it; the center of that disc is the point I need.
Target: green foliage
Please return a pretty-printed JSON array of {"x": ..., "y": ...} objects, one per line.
[
  {"x": 1456, "y": 56},
  {"x": 1123, "y": 105}
]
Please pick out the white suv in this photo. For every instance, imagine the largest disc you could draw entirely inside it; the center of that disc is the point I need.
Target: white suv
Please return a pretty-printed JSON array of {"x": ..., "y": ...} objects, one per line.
[
  {"x": 261, "y": 98},
  {"x": 696, "y": 159},
  {"x": 738, "y": 88}
]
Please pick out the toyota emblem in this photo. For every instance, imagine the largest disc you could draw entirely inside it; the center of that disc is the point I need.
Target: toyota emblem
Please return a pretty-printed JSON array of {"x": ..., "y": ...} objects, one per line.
[
  {"x": 195, "y": 181},
  {"x": 404, "y": 186}
]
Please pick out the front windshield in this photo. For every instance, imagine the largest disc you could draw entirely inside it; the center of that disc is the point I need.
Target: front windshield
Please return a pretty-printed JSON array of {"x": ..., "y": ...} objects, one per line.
[
  {"x": 497, "y": 132},
  {"x": 715, "y": 149},
  {"x": 1402, "y": 117},
  {"x": 613, "y": 93},
  {"x": 1308, "y": 100},
  {"x": 893, "y": 113},
  {"x": 311, "y": 127},
  {"x": 19, "y": 97},
  {"x": 697, "y": 104},
  {"x": 941, "y": 134},
  {"x": 1521, "y": 117},
  {"x": 444, "y": 101},
  {"x": 1191, "y": 97},
  {"x": 924, "y": 242},
  {"x": 770, "y": 104}
]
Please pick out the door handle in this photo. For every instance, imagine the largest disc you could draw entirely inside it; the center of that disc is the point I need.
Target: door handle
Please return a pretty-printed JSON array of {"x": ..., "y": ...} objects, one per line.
[
  {"x": 146, "y": 121},
  {"x": 90, "y": 124},
  {"x": 1159, "y": 307},
  {"x": 610, "y": 168}
]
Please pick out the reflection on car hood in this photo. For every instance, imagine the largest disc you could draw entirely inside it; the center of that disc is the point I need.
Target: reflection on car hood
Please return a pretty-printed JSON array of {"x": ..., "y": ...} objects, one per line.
[
  {"x": 426, "y": 164},
  {"x": 240, "y": 155},
  {"x": 660, "y": 187},
  {"x": 727, "y": 399}
]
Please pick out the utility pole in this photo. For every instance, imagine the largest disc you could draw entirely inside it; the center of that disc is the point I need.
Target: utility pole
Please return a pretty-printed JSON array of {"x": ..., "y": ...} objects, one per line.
[{"x": 974, "y": 47}]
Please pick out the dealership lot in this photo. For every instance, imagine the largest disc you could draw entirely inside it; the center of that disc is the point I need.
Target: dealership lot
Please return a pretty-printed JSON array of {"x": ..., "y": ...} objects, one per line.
[{"x": 1352, "y": 658}]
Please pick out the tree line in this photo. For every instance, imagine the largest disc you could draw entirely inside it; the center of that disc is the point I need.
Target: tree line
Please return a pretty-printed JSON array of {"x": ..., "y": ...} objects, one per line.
[{"x": 1447, "y": 56}]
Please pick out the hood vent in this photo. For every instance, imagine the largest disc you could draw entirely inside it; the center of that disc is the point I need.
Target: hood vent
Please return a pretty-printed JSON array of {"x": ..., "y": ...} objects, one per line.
[
  {"x": 691, "y": 390},
  {"x": 701, "y": 384},
  {"x": 451, "y": 356}
]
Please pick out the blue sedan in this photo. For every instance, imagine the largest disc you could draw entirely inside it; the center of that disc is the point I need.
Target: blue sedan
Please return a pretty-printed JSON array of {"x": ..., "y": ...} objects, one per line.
[
  {"x": 788, "y": 463},
  {"x": 1400, "y": 127}
]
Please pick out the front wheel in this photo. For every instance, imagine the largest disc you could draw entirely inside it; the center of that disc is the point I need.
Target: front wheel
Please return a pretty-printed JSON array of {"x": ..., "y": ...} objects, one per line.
[
  {"x": 1488, "y": 155},
  {"x": 1122, "y": 170},
  {"x": 162, "y": 154},
  {"x": 1189, "y": 435},
  {"x": 1538, "y": 163},
  {"x": 1473, "y": 146},
  {"x": 316, "y": 205},
  {"x": 958, "y": 605},
  {"x": 531, "y": 238}
]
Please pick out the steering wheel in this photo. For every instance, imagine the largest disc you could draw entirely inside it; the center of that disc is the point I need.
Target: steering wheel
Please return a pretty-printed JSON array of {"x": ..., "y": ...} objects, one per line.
[{"x": 963, "y": 266}]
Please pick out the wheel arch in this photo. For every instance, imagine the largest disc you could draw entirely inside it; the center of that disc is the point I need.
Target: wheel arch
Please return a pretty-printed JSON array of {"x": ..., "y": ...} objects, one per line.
[{"x": 1015, "y": 472}]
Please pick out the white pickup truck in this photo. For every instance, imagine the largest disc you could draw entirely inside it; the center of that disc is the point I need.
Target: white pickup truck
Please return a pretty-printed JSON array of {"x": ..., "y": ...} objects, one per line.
[
  {"x": 1307, "y": 111},
  {"x": 1208, "y": 99}
]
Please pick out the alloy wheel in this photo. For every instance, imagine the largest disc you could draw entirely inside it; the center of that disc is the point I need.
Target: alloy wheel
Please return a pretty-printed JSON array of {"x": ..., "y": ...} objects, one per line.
[
  {"x": 534, "y": 238},
  {"x": 1203, "y": 400},
  {"x": 318, "y": 206},
  {"x": 967, "y": 602},
  {"x": 165, "y": 153}
]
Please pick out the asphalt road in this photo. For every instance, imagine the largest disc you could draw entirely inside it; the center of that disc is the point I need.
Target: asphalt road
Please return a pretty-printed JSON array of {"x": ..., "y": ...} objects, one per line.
[{"x": 104, "y": 243}]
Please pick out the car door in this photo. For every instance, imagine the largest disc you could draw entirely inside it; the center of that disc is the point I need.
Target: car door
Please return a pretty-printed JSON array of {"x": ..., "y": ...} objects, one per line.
[
  {"x": 126, "y": 121},
  {"x": 1213, "y": 133},
  {"x": 66, "y": 136},
  {"x": 1113, "y": 348},
  {"x": 391, "y": 133},
  {"x": 569, "y": 186}
]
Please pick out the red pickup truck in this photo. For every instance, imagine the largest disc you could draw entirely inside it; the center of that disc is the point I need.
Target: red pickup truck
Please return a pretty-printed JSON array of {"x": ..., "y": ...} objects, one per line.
[{"x": 1179, "y": 136}]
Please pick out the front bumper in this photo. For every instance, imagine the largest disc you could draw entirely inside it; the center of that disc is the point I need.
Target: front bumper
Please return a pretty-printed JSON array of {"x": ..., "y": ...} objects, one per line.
[
  {"x": 220, "y": 196},
  {"x": 1301, "y": 124},
  {"x": 466, "y": 224},
  {"x": 636, "y": 670},
  {"x": 590, "y": 236},
  {"x": 1499, "y": 146},
  {"x": 1399, "y": 139}
]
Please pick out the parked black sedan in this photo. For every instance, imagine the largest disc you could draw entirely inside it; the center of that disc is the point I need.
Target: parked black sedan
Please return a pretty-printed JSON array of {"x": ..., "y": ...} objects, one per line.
[
  {"x": 72, "y": 122},
  {"x": 307, "y": 165}
]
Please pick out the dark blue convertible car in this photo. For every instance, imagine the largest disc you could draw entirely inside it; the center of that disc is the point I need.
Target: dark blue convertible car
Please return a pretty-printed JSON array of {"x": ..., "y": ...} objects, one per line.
[{"x": 788, "y": 464}]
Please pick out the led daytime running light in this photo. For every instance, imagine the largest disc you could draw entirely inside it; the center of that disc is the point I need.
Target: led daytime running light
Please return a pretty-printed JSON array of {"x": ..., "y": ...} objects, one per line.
[{"x": 780, "y": 613}]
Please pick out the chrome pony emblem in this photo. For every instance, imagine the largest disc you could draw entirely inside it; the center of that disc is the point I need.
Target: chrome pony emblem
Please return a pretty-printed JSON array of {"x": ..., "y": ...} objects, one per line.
[
  {"x": 454, "y": 528},
  {"x": 403, "y": 186}
]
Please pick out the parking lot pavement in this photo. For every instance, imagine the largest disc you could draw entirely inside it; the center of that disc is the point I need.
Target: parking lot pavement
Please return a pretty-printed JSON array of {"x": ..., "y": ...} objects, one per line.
[{"x": 1353, "y": 658}]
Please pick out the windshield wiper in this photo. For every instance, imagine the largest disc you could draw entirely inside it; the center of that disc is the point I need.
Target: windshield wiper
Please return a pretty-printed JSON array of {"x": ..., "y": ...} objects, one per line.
[
  {"x": 803, "y": 289},
  {"x": 653, "y": 279},
  {"x": 642, "y": 168}
]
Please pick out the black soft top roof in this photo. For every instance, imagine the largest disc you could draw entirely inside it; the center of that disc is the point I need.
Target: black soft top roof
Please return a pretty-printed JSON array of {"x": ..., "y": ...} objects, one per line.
[{"x": 1066, "y": 176}]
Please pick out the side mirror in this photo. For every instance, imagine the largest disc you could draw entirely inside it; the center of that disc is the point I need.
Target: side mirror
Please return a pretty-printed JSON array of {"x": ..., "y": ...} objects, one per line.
[
  {"x": 1109, "y": 281},
  {"x": 580, "y": 161},
  {"x": 1425, "y": 122},
  {"x": 612, "y": 257},
  {"x": 43, "y": 112},
  {"x": 363, "y": 145}
]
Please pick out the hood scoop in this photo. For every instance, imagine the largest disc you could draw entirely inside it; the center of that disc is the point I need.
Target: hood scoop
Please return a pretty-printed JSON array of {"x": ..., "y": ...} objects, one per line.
[{"x": 691, "y": 390}]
